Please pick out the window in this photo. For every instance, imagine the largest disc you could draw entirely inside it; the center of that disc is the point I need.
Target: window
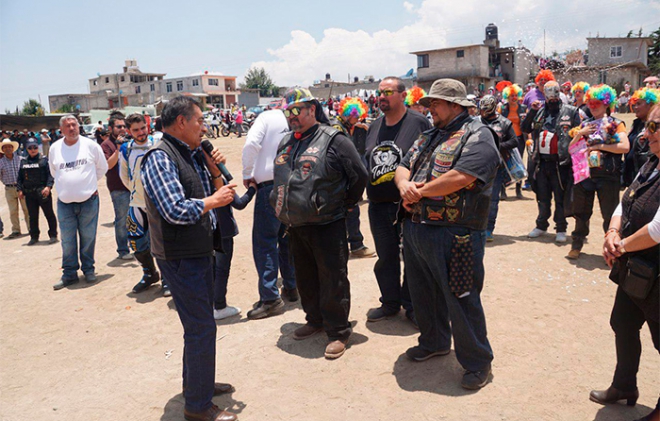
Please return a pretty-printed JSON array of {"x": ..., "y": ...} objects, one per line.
[
  {"x": 423, "y": 60},
  {"x": 179, "y": 85},
  {"x": 122, "y": 78},
  {"x": 137, "y": 89},
  {"x": 615, "y": 52},
  {"x": 460, "y": 53},
  {"x": 213, "y": 82},
  {"x": 107, "y": 80},
  {"x": 168, "y": 86},
  {"x": 152, "y": 87},
  {"x": 195, "y": 82},
  {"x": 95, "y": 83}
]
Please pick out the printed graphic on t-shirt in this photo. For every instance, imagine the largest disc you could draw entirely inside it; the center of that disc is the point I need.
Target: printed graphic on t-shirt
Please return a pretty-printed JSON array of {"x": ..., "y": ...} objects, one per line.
[
  {"x": 385, "y": 158},
  {"x": 73, "y": 165}
]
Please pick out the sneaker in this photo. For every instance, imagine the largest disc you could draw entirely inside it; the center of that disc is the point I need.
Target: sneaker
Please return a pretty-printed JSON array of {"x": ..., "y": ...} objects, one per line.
[
  {"x": 535, "y": 233},
  {"x": 335, "y": 349},
  {"x": 364, "y": 251},
  {"x": 306, "y": 331},
  {"x": 143, "y": 285},
  {"x": 266, "y": 309},
  {"x": 379, "y": 313},
  {"x": 573, "y": 254},
  {"x": 13, "y": 235},
  {"x": 52, "y": 240},
  {"x": 527, "y": 186},
  {"x": 560, "y": 237},
  {"x": 291, "y": 295},
  {"x": 127, "y": 256},
  {"x": 489, "y": 236},
  {"x": 90, "y": 277},
  {"x": 473, "y": 380},
  {"x": 417, "y": 353},
  {"x": 1, "y": 235},
  {"x": 32, "y": 241},
  {"x": 165, "y": 290},
  {"x": 63, "y": 283},
  {"x": 226, "y": 312}
]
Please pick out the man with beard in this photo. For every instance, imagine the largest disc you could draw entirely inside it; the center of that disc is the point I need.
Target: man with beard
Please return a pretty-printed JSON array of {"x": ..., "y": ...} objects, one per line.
[
  {"x": 549, "y": 124},
  {"x": 137, "y": 225},
  {"x": 388, "y": 139}
]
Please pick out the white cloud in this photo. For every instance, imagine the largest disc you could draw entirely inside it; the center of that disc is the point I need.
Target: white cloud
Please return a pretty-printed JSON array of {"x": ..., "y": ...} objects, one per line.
[{"x": 442, "y": 23}]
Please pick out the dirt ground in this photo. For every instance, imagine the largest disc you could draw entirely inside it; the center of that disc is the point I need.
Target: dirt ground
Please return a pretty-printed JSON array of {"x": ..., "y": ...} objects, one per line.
[{"x": 99, "y": 352}]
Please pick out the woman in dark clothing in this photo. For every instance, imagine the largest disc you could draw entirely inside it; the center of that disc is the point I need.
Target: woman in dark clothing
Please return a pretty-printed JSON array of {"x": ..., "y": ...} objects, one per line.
[
  {"x": 34, "y": 182},
  {"x": 632, "y": 249}
]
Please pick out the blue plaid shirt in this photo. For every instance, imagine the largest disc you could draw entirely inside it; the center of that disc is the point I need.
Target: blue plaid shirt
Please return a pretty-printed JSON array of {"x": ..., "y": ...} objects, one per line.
[
  {"x": 9, "y": 169},
  {"x": 162, "y": 185}
]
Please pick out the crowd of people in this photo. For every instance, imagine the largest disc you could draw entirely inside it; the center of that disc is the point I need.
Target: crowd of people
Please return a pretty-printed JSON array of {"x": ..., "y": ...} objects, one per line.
[{"x": 433, "y": 166}]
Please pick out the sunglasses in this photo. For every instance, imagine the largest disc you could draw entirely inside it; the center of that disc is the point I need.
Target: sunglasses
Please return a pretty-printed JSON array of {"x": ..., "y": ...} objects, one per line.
[
  {"x": 32, "y": 147},
  {"x": 120, "y": 126},
  {"x": 651, "y": 126},
  {"x": 293, "y": 111},
  {"x": 386, "y": 92}
]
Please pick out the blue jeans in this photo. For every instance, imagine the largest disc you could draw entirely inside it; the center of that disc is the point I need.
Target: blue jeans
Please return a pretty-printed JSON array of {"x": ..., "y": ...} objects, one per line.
[
  {"x": 221, "y": 270},
  {"x": 427, "y": 258},
  {"x": 78, "y": 219},
  {"x": 387, "y": 240},
  {"x": 120, "y": 201},
  {"x": 355, "y": 238},
  {"x": 270, "y": 248},
  {"x": 191, "y": 283},
  {"x": 500, "y": 178}
]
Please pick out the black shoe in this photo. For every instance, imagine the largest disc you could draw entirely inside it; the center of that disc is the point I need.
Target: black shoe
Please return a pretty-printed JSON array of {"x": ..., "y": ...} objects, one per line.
[
  {"x": 144, "y": 284},
  {"x": 291, "y": 295},
  {"x": 417, "y": 353},
  {"x": 473, "y": 380},
  {"x": 379, "y": 313},
  {"x": 613, "y": 395},
  {"x": 519, "y": 194},
  {"x": 266, "y": 309},
  {"x": 13, "y": 235},
  {"x": 32, "y": 241},
  {"x": 52, "y": 240},
  {"x": 63, "y": 283}
]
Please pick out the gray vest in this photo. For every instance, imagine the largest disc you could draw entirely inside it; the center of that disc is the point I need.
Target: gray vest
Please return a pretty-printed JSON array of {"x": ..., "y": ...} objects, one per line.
[{"x": 306, "y": 190}]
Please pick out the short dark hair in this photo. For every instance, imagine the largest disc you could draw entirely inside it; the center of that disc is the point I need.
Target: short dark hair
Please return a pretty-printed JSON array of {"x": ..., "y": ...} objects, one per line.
[
  {"x": 181, "y": 105},
  {"x": 400, "y": 86},
  {"x": 115, "y": 116},
  {"x": 135, "y": 118},
  {"x": 158, "y": 125}
]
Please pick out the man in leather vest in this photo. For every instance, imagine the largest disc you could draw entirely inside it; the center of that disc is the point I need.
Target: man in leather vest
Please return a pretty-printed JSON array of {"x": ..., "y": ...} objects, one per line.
[
  {"x": 181, "y": 185},
  {"x": 445, "y": 181},
  {"x": 318, "y": 175},
  {"x": 550, "y": 173}
]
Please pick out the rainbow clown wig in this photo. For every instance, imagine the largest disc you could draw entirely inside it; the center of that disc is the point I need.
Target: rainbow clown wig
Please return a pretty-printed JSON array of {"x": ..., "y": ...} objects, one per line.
[
  {"x": 603, "y": 93},
  {"x": 580, "y": 86},
  {"x": 650, "y": 96},
  {"x": 413, "y": 95},
  {"x": 512, "y": 90},
  {"x": 544, "y": 74},
  {"x": 353, "y": 107}
]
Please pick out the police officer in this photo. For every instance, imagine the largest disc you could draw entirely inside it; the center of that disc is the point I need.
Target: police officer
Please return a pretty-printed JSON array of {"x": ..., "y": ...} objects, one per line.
[
  {"x": 318, "y": 175},
  {"x": 445, "y": 181},
  {"x": 549, "y": 124},
  {"x": 34, "y": 183}
]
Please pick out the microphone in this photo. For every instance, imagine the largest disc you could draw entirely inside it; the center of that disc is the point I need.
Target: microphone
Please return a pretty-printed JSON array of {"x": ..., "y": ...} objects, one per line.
[{"x": 208, "y": 148}]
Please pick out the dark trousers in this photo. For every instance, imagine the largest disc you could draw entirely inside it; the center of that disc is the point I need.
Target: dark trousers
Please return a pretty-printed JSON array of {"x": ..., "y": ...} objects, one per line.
[
  {"x": 627, "y": 320},
  {"x": 551, "y": 179},
  {"x": 355, "y": 237},
  {"x": 607, "y": 189},
  {"x": 320, "y": 258},
  {"x": 387, "y": 240},
  {"x": 34, "y": 200},
  {"x": 191, "y": 283},
  {"x": 221, "y": 273}
]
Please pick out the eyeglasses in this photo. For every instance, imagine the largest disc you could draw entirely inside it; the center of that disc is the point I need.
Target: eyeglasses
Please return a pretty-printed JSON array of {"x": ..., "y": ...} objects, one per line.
[
  {"x": 295, "y": 111},
  {"x": 122, "y": 126},
  {"x": 651, "y": 126},
  {"x": 386, "y": 92},
  {"x": 32, "y": 147}
]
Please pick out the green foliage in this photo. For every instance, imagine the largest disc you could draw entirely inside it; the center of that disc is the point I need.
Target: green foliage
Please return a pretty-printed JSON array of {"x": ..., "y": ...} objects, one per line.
[
  {"x": 66, "y": 109},
  {"x": 32, "y": 107},
  {"x": 258, "y": 78},
  {"x": 654, "y": 52}
]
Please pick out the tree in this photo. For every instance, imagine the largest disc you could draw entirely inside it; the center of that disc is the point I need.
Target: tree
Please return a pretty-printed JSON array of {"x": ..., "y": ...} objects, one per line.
[
  {"x": 654, "y": 52},
  {"x": 32, "y": 107},
  {"x": 66, "y": 109},
  {"x": 258, "y": 78}
]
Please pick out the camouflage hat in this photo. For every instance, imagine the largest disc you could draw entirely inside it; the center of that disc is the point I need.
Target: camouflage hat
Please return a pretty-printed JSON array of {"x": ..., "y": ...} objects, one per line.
[{"x": 450, "y": 90}]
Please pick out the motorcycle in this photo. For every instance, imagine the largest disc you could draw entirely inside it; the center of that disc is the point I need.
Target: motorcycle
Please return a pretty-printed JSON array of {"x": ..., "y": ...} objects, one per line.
[{"x": 227, "y": 129}]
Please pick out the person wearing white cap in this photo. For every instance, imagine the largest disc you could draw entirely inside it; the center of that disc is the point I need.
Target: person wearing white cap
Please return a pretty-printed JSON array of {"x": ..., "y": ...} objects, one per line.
[{"x": 9, "y": 165}]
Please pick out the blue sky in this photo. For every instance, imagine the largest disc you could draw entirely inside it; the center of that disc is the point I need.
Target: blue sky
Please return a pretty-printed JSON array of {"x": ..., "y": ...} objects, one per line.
[{"x": 49, "y": 47}]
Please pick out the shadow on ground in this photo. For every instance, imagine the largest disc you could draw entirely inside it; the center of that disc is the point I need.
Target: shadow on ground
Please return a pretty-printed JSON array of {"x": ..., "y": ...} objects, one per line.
[
  {"x": 589, "y": 262},
  {"x": 82, "y": 284},
  {"x": 173, "y": 410},
  {"x": 619, "y": 412},
  {"x": 313, "y": 347},
  {"x": 397, "y": 325}
]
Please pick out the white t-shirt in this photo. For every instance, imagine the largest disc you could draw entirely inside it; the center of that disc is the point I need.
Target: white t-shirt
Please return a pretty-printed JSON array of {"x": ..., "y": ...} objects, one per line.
[
  {"x": 76, "y": 169},
  {"x": 261, "y": 145}
]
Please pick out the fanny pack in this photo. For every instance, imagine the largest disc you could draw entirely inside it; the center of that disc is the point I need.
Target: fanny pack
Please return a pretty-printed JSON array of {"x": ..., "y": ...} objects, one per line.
[{"x": 635, "y": 275}]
